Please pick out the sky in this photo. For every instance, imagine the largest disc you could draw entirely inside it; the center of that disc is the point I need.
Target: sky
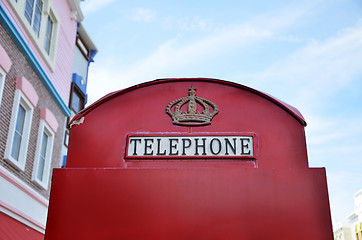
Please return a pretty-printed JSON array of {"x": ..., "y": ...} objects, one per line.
[{"x": 305, "y": 53}]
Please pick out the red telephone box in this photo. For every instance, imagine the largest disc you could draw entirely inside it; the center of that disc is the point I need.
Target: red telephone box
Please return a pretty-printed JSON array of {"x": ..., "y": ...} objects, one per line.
[{"x": 188, "y": 159}]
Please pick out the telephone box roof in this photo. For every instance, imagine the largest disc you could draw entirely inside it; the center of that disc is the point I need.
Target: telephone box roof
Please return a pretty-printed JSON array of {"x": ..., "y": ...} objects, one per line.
[{"x": 288, "y": 108}]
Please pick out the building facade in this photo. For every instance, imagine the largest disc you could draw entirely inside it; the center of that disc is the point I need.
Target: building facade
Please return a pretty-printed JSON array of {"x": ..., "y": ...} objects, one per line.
[
  {"x": 351, "y": 227},
  {"x": 84, "y": 53},
  {"x": 38, "y": 41}
]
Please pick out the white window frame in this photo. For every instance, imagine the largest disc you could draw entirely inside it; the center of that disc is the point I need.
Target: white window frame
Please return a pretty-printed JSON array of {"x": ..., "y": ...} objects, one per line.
[
  {"x": 33, "y": 15},
  {"x": 2, "y": 81},
  {"x": 19, "y": 99},
  {"x": 50, "y": 55},
  {"x": 39, "y": 39},
  {"x": 48, "y": 36},
  {"x": 43, "y": 128}
]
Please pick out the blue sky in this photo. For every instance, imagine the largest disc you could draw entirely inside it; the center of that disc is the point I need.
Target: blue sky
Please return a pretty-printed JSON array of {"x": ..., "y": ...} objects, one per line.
[{"x": 306, "y": 53}]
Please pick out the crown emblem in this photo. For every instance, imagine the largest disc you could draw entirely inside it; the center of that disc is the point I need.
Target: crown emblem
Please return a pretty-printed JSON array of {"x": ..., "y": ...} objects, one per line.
[{"x": 188, "y": 115}]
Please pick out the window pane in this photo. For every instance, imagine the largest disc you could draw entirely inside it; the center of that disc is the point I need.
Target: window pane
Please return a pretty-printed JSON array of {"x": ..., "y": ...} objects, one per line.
[
  {"x": 20, "y": 119},
  {"x": 41, "y": 169},
  {"x": 37, "y": 16},
  {"x": 83, "y": 47},
  {"x": 29, "y": 10},
  {"x": 44, "y": 145},
  {"x": 77, "y": 103},
  {"x": 48, "y": 35},
  {"x": 15, "y": 151},
  {"x": 43, "y": 152}
]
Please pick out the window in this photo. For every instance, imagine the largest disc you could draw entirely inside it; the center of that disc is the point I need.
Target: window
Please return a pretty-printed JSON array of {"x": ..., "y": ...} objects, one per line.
[
  {"x": 76, "y": 102},
  {"x": 66, "y": 138},
  {"x": 43, "y": 155},
  {"x": 29, "y": 10},
  {"x": 33, "y": 13},
  {"x": 42, "y": 24},
  {"x": 19, "y": 131},
  {"x": 2, "y": 81},
  {"x": 37, "y": 16},
  {"x": 82, "y": 47},
  {"x": 48, "y": 35},
  {"x": 77, "y": 99}
]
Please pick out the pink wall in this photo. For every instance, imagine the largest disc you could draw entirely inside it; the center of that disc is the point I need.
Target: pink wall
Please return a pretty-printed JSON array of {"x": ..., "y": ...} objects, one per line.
[
  {"x": 27, "y": 88},
  {"x": 5, "y": 61},
  {"x": 61, "y": 77},
  {"x": 48, "y": 116},
  {"x": 66, "y": 46}
]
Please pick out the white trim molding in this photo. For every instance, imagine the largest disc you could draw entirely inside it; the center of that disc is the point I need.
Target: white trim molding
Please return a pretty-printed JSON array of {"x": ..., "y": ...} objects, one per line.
[
  {"x": 22, "y": 202},
  {"x": 77, "y": 14},
  {"x": 43, "y": 155},
  {"x": 38, "y": 36},
  {"x": 2, "y": 81},
  {"x": 20, "y": 102}
]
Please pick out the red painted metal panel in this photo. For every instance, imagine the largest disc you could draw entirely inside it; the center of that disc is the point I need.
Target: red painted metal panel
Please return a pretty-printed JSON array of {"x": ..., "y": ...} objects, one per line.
[
  {"x": 100, "y": 141},
  {"x": 292, "y": 110},
  {"x": 189, "y": 204},
  {"x": 270, "y": 195}
]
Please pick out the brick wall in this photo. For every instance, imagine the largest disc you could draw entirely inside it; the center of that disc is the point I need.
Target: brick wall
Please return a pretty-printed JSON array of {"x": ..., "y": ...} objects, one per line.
[{"x": 21, "y": 67}]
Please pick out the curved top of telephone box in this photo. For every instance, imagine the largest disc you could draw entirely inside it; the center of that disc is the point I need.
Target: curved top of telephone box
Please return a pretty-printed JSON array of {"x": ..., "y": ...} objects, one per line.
[{"x": 188, "y": 122}]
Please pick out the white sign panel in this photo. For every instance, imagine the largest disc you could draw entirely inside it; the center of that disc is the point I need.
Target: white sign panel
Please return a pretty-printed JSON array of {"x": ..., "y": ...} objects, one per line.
[{"x": 189, "y": 146}]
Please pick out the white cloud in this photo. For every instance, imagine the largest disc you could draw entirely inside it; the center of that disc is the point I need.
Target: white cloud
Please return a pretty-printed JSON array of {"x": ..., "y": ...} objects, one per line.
[
  {"x": 189, "y": 24},
  {"x": 143, "y": 15},
  {"x": 90, "y": 6},
  {"x": 342, "y": 185},
  {"x": 168, "y": 58},
  {"x": 172, "y": 56},
  {"x": 288, "y": 38},
  {"x": 103, "y": 80},
  {"x": 310, "y": 79},
  {"x": 330, "y": 62}
]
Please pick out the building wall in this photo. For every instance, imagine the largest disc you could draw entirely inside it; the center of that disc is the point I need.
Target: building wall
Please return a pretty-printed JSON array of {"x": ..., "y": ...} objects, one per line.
[
  {"x": 66, "y": 48},
  {"x": 351, "y": 227},
  {"x": 47, "y": 78},
  {"x": 61, "y": 74},
  {"x": 80, "y": 66},
  {"x": 21, "y": 67}
]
